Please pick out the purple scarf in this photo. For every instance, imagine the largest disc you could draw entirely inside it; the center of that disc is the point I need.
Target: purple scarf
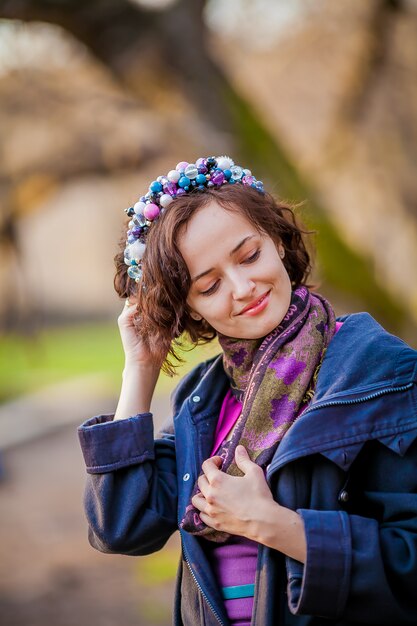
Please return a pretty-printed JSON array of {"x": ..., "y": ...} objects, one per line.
[{"x": 274, "y": 376}]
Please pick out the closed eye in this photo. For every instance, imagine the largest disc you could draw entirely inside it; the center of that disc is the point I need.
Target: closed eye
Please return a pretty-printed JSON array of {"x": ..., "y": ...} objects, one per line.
[
  {"x": 211, "y": 289},
  {"x": 253, "y": 257}
]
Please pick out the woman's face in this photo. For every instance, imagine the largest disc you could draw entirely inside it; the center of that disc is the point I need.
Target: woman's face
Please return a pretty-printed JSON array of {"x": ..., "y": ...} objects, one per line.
[{"x": 238, "y": 281}]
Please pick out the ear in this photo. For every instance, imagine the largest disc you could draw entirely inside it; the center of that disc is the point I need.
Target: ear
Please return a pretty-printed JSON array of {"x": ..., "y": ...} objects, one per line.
[{"x": 281, "y": 251}]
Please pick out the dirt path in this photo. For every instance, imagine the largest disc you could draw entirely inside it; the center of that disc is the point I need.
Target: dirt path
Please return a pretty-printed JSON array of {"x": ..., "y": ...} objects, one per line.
[{"x": 49, "y": 575}]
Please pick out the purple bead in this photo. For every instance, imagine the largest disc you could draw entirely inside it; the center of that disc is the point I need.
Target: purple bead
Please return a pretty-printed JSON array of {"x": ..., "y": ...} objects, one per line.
[
  {"x": 170, "y": 188},
  {"x": 181, "y": 192},
  {"x": 248, "y": 180},
  {"x": 201, "y": 162},
  {"x": 142, "y": 198},
  {"x": 131, "y": 239},
  {"x": 136, "y": 231},
  {"x": 202, "y": 169},
  {"x": 181, "y": 166},
  {"x": 217, "y": 178}
]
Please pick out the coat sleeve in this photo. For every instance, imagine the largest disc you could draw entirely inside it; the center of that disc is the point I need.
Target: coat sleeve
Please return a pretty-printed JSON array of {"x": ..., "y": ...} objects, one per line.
[
  {"x": 363, "y": 569},
  {"x": 131, "y": 491}
]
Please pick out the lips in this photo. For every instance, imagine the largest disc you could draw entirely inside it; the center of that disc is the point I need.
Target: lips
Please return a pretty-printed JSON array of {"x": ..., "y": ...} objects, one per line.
[{"x": 255, "y": 304}]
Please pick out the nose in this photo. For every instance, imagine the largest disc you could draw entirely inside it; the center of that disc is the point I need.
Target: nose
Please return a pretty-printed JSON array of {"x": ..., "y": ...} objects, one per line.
[{"x": 242, "y": 286}]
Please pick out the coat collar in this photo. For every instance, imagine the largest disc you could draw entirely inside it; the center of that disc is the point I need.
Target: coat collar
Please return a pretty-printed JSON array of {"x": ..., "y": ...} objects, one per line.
[{"x": 361, "y": 394}]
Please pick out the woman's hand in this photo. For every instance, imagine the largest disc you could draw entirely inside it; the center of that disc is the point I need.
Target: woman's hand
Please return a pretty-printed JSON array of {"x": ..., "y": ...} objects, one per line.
[
  {"x": 134, "y": 348},
  {"x": 141, "y": 371},
  {"x": 232, "y": 503},
  {"x": 244, "y": 505}
]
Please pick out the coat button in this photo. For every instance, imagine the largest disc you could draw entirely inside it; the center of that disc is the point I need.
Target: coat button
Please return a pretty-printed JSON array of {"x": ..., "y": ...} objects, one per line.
[
  {"x": 343, "y": 496},
  {"x": 196, "y": 398},
  {"x": 186, "y": 477}
]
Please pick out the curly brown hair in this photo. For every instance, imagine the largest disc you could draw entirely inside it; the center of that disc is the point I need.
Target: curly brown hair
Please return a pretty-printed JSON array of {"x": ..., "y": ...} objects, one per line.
[{"x": 163, "y": 315}]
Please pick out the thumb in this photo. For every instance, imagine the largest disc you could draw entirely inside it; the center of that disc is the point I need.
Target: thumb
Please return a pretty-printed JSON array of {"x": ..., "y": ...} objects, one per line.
[{"x": 242, "y": 459}]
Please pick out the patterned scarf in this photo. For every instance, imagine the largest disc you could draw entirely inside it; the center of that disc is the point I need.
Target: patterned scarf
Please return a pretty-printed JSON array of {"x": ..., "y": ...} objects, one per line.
[{"x": 273, "y": 377}]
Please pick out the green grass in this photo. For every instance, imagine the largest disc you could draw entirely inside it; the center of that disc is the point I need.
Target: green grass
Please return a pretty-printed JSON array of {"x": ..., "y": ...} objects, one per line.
[{"x": 28, "y": 364}]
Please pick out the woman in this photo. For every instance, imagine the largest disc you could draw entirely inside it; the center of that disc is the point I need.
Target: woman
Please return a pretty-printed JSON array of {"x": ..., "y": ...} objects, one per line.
[{"x": 290, "y": 464}]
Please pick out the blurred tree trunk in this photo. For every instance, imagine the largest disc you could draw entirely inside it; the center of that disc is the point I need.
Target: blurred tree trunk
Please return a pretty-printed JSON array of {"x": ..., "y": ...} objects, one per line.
[
  {"x": 381, "y": 23},
  {"x": 116, "y": 31}
]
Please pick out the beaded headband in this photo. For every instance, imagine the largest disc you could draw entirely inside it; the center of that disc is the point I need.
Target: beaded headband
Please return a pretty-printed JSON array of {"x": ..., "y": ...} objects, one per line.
[{"x": 209, "y": 172}]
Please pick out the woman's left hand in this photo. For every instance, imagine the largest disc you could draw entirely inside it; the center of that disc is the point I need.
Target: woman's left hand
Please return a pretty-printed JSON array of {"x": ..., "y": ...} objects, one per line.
[{"x": 233, "y": 504}]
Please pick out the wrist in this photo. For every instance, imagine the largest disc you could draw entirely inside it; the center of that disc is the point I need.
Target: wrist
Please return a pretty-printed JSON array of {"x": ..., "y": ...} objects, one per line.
[
  {"x": 265, "y": 524},
  {"x": 134, "y": 367},
  {"x": 282, "y": 529}
]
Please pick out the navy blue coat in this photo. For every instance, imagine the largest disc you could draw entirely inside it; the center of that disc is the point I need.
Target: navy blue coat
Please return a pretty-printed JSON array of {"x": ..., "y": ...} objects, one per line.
[{"x": 348, "y": 466}]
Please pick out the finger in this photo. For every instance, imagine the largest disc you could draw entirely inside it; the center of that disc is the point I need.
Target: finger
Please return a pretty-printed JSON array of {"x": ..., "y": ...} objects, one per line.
[
  {"x": 211, "y": 469},
  {"x": 242, "y": 459},
  {"x": 207, "y": 520},
  {"x": 203, "y": 484},
  {"x": 199, "y": 502}
]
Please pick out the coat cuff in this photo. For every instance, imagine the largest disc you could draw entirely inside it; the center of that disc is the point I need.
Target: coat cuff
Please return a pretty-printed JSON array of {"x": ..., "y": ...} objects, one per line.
[
  {"x": 107, "y": 445},
  {"x": 321, "y": 586}
]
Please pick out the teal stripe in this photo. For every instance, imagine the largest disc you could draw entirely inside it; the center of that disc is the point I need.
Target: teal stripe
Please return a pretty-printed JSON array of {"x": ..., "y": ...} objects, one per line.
[{"x": 238, "y": 591}]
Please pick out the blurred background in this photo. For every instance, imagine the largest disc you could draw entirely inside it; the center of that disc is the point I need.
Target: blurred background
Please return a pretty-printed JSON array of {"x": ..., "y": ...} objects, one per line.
[{"x": 319, "y": 98}]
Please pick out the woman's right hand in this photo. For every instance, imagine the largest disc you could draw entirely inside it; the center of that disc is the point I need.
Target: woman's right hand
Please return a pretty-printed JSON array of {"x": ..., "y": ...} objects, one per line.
[
  {"x": 136, "y": 352},
  {"x": 141, "y": 371}
]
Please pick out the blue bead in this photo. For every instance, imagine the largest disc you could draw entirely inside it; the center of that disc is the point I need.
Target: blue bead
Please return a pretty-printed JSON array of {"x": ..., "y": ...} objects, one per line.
[
  {"x": 201, "y": 179},
  {"x": 227, "y": 173},
  {"x": 155, "y": 186},
  {"x": 184, "y": 181}
]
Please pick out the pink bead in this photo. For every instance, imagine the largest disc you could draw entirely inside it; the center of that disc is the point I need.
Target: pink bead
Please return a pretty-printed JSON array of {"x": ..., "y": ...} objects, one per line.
[
  {"x": 151, "y": 211},
  {"x": 181, "y": 166},
  {"x": 248, "y": 180}
]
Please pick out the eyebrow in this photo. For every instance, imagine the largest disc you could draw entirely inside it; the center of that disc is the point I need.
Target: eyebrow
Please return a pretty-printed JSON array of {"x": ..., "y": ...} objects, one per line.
[{"x": 239, "y": 245}]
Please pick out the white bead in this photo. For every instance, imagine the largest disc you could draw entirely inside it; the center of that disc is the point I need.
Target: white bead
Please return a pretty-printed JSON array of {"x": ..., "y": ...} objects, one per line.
[
  {"x": 136, "y": 250},
  {"x": 224, "y": 162},
  {"x": 237, "y": 172},
  {"x": 165, "y": 200},
  {"x": 191, "y": 171},
  {"x": 138, "y": 207},
  {"x": 247, "y": 172},
  {"x": 173, "y": 176}
]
